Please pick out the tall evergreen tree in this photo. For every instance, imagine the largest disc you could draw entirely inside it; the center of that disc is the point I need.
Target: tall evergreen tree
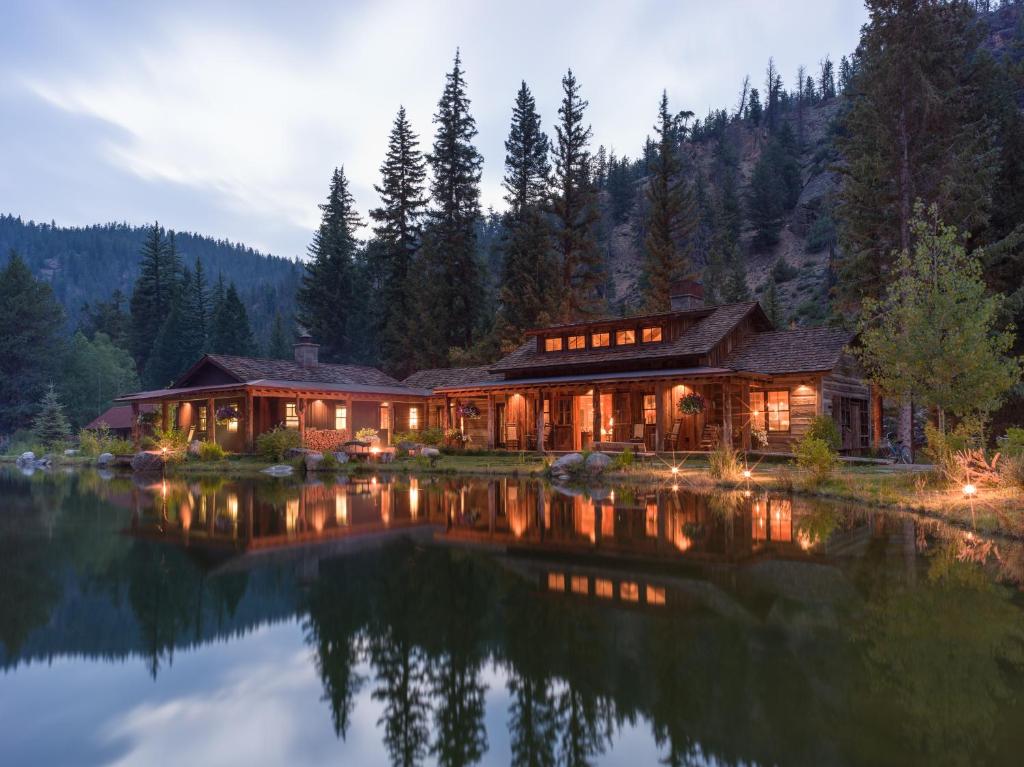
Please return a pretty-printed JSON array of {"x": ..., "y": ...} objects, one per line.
[
  {"x": 827, "y": 80},
  {"x": 754, "y": 107},
  {"x": 108, "y": 317},
  {"x": 398, "y": 228},
  {"x": 447, "y": 262},
  {"x": 325, "y": 296},
  {"x": 575, "y": 208},
  {"x": 279, "y": 346},
  {"x": 169, "y": 356},
  {"x": 231, "y": 333},
  {"x": 30, "y": 344},
  {"x": 525, "y": 296},
  {"x": 671, "y": 217},
  {"x": 736, "y": 288},
  {"x": 197, "y": 311},
  {"x": 770, "y": 303},
  {"x": 155, "y": 290}
]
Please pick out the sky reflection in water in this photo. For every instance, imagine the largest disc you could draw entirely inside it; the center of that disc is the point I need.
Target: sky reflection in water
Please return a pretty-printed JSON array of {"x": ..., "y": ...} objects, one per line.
[{"x": 493, "y": 622}]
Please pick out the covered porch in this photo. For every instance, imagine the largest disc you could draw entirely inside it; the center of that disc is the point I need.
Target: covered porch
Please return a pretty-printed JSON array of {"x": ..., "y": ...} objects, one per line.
[{"x": 233, "y": 416}]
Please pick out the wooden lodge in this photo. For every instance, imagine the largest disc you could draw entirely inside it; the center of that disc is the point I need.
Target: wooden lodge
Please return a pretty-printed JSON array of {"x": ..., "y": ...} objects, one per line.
[{"x": 577, "y": 386}]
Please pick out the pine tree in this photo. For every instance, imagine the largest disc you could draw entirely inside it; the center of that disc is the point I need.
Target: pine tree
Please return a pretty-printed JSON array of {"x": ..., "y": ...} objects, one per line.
[
  {"x": 325, "y": 297},
  {"x": 279, "y": 347},
  {"x": 754, "y": 107},
  {"x": 398, "y": 229},
  {"x": 736, "y": 288},
  {"x": 30, "y": 343},
  {"x": 197, "y": 311},
  {"x": 169, "y": 355},
  {"x": 827, "y": 80},
  {"x": 914, "y": 130},
  {"x": 50, "y": 426},
  {"x": 671, "y": 218},
  {"x": 447, "y": 262},
  {"x": 231, "y": 333},
  {"x": 525, "y": 296},
  {"x": 770, "y": 303},
  {"x": 155, "y": 290},
  {"x": 107, "y": 317},
  {"x": 575, "y": 209}
]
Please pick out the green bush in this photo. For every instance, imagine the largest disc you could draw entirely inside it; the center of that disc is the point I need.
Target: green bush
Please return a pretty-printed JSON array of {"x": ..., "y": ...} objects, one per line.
[
  {"x": 782, "y": 271},
  {"x": 147, "y": 443},
  {"x": 93, "y": 442},
  {"x": 821, "y": 234},
  {"x": 724, "y": 463},
  {"x": 329, "y": 462},
  {"x": 824, "y": 427},
  {"x": 211, "y": 451},
  {"x": 272, "y": 445},
  {"x": 623, "y": 460},
  {"x": 816, "y": 457},
  {"x": 174, "y": 441},
  {"x": 1012, "y": 443},
  {"x": 432, "y": 436},
  {"x": 1011, "y": 471}
]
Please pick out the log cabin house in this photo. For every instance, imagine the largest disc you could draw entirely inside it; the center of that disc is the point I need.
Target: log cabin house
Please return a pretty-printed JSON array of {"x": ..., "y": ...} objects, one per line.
[{"x": 567, "y": 387}]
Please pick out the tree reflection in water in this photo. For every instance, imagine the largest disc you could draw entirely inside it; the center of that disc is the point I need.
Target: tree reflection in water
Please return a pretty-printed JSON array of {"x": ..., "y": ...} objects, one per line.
[{"x": 758, "y": 630}]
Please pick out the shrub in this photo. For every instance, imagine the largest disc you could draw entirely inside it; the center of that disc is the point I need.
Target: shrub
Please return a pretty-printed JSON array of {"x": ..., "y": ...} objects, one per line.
[
  {"x": 211, "y": 451},
  {"x": 329, "y": 462},
  {"x": 432, "y": 436},
  {"x": 824, "y": 427},
  {"x": 1011, "y": 471},
  {"x": 821, "y": 234},
  {"x": 367, "y": 435},
  {"x": 623, "y": 460},
  {"x": 724, "y": 463},
  {"x": 272, "y": 445},
  {"x": 782, "y": 271},
  {"x": 1012, "y": 443},
  {"x": 93, "y": 442},
  {"x": 816, "y": 457},
  {"x": 174, "y": 441},
  {"x": 147, "y": 443}
]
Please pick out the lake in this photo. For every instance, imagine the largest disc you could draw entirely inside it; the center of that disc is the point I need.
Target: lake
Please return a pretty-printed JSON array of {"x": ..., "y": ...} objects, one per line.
[{"x": 455, "y": 621}]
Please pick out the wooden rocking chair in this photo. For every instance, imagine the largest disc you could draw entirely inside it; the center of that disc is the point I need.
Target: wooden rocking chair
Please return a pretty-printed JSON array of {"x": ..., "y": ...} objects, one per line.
[
  {"x": 512, "y": 438},
  {"x": 672, "y": 438}
]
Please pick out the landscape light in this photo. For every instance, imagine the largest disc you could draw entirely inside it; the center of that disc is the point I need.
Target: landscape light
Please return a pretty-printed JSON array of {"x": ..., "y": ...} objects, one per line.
[
  {"x": 675, "y": 488},
  {"x": 675, "y": 469},
  {"x": 747, "y": 474},
  {"x": 970, "y": 490}
]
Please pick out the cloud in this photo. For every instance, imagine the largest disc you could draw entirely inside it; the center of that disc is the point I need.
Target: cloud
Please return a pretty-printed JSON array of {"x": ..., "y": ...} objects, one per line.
[{"x": 250, "y": 106}]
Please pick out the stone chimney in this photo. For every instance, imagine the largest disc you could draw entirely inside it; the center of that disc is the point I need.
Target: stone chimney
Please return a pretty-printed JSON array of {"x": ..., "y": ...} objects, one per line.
[
  {"x": 686, "y": 295},
  {"x": 307, "y": 353}
]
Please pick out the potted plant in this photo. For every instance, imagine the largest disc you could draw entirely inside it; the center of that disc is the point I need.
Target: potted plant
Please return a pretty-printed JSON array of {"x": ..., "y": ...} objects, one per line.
[
  {"x": 469, "y": 410},
  {"x": 692, "y": 404},
  {"x": 367, "y": 435},
  {"x": 226, "y": 414}
]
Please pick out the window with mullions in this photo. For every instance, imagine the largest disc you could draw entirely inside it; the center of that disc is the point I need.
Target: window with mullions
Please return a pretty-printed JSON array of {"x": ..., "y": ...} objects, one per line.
[
  {"x": 577, "y": 342},
  {"x": 291, "y": 415},
  {"x": 552, "y": 344},
  {"x": 625, "y": 337},
  {"x": 597, "y": 340},
  {"x": 769, "y": 410}
]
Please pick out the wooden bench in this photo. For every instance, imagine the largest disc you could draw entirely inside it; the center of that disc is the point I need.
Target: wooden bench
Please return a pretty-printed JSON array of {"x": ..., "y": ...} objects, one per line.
[{"x": 637, "y": 448}]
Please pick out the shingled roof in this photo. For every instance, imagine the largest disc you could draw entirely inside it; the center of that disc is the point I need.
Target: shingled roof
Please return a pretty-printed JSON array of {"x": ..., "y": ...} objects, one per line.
[
  {"x": 247, "y": 369},
  {"x": 708, "y": 329},
  {"x": 438, "y": 378},
  {"x": 804, "y": 350}
]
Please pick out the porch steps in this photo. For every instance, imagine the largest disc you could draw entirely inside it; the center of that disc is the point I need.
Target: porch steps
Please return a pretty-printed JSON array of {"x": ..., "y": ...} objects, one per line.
[{"x": 709, "y": 437}]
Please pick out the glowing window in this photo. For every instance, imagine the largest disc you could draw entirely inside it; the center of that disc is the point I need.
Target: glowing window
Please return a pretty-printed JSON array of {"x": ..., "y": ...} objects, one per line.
[
  {"x": 597, "y": 340},
  {"x": 655, "y": 595},
  {"x": 650, "y": 335},
  {"x": 625, "y": 337},
  {"x": 556, "y": 582},
  {"x": 202, "y": 418},
  {"x": 577, "y": 342},
  {"x": 650, "y": 409},
  {"x": 291, "y": 415},
  {"x": 385, "y": 417},
  {"x": 414, "y": 418},
  {"x": 340, "y": 417},
  {"x": 580, "y": 584},
  {"x": 552, "y": 344},
  {"x": 770, "y": 410},
  {"x": 629, "y": 591},
  {"x": 233, "y": 424},
  {"x": 603, "y": 588}
]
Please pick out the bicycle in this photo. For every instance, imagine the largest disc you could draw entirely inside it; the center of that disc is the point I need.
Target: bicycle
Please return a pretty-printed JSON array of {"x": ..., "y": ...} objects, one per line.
[{"x": 898, "y": 452}]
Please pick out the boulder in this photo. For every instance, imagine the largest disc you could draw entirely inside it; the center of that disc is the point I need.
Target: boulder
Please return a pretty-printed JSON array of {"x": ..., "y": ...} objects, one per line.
[
  {"x": 408, "y": 447},
  {"x": 296, "y": 452},
  {"x": 430, "y": 452},
  {"x": 598, "y": 463},
  {"x": 278, "y": 470},
  {"x": 147, "y": 461},
  {"x": 26, "y": 460},
  {"x": 313, "y": 460},
  {"x": 193, "y": 447},
  {"x": 341, "y": 456},
  {"x": 105, "y": 459},
  {"x": 72, "y": 452},
  {"x": 567, "y": 464}
]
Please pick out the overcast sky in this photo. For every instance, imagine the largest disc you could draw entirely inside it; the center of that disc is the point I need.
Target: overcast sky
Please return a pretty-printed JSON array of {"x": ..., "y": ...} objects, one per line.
[{"x": 227, "y": 118}]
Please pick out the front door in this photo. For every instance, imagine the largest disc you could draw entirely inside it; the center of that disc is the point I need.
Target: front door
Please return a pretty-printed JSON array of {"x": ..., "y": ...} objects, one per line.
[
  {"x": 499, "y": 423},
  {"x": 561, "y": 436}
]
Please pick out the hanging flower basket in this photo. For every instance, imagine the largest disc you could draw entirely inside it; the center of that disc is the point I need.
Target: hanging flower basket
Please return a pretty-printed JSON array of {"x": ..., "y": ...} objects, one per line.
[
  {"x": 692, "y": 404},
  {"x": 227, "y": 413},
  {"x": 469, "y": 410}
]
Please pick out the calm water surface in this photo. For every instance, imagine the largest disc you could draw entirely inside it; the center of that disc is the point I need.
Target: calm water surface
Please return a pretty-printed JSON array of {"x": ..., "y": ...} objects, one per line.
[{"x": 463, "y": 621}]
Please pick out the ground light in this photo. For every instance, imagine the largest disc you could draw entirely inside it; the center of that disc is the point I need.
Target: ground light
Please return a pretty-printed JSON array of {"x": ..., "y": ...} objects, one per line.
[
  {"x": 970, "y": 490},
  {"x": 747, "y": 474}
]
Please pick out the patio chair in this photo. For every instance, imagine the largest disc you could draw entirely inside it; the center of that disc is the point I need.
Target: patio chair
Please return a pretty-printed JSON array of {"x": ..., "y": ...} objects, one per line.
[
  {"x": 672, "y": 438},
  {"x": 512, "y": 438}
]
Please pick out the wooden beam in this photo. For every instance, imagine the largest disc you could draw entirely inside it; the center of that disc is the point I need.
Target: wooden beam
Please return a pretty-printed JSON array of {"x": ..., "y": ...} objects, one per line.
[
  {"x": 136, "y": 436},
  {"x": 726, "y": 414},
  {"x": 659, "y": 417},
  {"x": 875, "y": 419},
  {"x": 540, "y": 420},
  {"x": 744, "y": 387},
  {"x": 211, "y": 420},
  {"x": 165, "y": 415},
  {"x": 491, "y": 425},
  {"x": 596, "y": 435},
  {"x": 300, "y": 411},
  {"x": 250, "y": 426}
]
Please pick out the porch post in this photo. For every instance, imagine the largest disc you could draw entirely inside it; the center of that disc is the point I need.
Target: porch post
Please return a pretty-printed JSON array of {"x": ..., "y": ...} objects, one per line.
[
  {"x": 211, "y": 420},
  {"x": 300, "y": 411},
  {"x": 446, "y": 416},
  {"x": 875, "y": 421},
  {"x": 540, "y": 420},
  {"x": 596, "y": 436},
  {"x": 490, "y": 422},
  {"x": 745, "y": 415},
  {"x": 349, "y": 415},
  {"x": 136, "y": 437},
  {"x": 165, "y": 416},
  {"x": 250, "y": 427},
  {"x": 726, "y": 414},
  {"x": 659, "y": 417}
]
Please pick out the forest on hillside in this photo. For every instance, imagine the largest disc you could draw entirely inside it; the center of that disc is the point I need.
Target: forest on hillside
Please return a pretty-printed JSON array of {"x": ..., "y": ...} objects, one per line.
[{"x": 802, "y": 190}]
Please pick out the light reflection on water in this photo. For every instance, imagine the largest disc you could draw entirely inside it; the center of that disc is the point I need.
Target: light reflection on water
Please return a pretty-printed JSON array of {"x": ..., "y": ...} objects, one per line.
[{"x": 459, "y": 621}]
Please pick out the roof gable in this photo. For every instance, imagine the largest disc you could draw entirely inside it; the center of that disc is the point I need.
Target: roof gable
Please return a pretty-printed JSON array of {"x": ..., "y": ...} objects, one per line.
[
  {"x": 802, "y": 350},
  {"x": 232, "y": 369}
]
